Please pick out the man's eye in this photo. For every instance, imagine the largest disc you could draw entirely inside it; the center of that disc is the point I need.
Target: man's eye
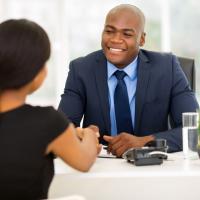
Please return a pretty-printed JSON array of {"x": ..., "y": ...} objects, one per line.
[
  {"x": 108, "y": 31},
  {"x": 128, "y": 34}
]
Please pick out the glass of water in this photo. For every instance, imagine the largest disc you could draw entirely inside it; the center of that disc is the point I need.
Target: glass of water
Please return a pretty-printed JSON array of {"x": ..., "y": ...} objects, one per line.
[{"x": 190, "y": 134}]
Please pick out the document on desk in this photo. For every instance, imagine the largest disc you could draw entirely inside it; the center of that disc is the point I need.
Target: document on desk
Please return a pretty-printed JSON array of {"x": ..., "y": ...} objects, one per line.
[{"x": 105, "y": 154}]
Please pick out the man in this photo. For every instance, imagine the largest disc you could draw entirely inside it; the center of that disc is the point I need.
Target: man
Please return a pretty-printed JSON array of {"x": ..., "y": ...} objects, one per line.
[{"x": 153, "y": 86}]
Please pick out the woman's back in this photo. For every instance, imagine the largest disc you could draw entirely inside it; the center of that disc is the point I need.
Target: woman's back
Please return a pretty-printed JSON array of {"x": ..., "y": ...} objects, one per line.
[{"x": 25, "y": 132}]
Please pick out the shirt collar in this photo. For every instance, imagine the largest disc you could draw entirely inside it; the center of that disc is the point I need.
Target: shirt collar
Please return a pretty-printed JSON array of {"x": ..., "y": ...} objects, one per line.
[{"x": 129, "y": 69}]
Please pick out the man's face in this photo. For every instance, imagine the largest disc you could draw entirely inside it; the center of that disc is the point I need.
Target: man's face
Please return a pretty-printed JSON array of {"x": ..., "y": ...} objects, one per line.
[{"x": 121, "y": 38}]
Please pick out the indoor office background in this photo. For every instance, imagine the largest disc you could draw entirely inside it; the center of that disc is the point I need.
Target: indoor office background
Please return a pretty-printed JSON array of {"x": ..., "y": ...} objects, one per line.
[{"x": 75, "y": 26}]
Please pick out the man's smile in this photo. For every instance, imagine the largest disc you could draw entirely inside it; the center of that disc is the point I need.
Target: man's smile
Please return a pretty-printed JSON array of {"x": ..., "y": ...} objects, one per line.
[{"x": 116, "y": 50}]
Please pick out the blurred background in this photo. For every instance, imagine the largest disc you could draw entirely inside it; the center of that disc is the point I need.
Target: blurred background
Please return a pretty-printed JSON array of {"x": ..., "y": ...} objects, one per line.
[{"x": 75, "y": 26}]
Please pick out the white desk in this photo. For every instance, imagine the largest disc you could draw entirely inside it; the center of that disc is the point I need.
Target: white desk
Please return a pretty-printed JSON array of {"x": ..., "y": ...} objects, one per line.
[{"x": 115, "y": 179}]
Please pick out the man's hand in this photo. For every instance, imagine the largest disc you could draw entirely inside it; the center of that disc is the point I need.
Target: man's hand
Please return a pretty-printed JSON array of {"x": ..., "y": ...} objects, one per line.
[
  {"x": 117, "y": 145},
  {"x": 96, "y": 130}
]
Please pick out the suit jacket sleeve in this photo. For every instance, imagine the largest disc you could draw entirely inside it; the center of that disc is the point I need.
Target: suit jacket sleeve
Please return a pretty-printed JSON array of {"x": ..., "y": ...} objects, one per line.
[
  {"x": 72, "y": 101},
  {"x": 182, "y": 100}
]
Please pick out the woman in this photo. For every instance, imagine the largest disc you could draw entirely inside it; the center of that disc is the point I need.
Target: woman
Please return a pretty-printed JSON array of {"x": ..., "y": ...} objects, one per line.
[{"x": 30, "y": 136}]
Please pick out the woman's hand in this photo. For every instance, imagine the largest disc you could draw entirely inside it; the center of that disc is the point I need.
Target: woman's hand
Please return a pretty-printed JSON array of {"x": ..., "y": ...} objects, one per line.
[{"x": 95, "y": 129}]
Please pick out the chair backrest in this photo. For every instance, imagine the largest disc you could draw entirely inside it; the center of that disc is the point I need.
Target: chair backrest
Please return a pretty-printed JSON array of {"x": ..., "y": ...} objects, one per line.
[{"x": 188, "y": 67}]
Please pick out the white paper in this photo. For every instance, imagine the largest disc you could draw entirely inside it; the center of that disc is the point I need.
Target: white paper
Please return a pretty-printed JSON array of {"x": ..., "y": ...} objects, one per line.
[{"x": 105, "y": 154}]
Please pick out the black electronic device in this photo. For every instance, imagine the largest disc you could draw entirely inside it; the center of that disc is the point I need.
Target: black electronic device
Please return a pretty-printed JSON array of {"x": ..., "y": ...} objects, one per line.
[
  {"x": 153, "y": 154},
  {"x": 158, "y": 145}
]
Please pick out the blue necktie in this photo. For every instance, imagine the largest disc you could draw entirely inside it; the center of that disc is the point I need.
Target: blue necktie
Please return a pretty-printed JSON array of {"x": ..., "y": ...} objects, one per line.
[{"x": 122, "y": 108}]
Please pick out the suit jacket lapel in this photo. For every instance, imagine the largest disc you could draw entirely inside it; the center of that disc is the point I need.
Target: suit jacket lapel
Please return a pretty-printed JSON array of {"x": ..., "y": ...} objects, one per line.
[
  {"x": 102, "y": 89},
  {"x": 141, "y": 89}
]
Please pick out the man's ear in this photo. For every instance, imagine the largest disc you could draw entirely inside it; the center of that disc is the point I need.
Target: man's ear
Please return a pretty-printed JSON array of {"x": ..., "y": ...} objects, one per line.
[{"x": 142, "y": 39}]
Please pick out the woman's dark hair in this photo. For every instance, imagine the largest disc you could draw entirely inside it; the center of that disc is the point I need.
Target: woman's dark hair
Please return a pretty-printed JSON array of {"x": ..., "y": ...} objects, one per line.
[{"x": 24, "y": 49}]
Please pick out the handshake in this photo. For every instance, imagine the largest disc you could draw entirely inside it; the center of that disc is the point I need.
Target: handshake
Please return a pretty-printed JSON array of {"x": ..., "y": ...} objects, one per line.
[{"x": 92, "y": 132}]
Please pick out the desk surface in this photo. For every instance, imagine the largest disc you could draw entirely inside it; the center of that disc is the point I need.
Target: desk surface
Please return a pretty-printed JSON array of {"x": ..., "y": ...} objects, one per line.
[{"x": 112, "y": 178}]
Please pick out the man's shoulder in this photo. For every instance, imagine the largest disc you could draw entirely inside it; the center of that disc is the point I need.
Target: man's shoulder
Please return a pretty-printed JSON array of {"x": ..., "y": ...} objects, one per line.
[
  {"x": 155, "y": 55},
  {"x": 91, "y": 57}
]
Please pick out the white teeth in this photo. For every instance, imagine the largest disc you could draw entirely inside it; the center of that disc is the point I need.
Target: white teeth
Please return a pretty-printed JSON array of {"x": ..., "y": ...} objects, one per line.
[{"x": 117, "y": 50}]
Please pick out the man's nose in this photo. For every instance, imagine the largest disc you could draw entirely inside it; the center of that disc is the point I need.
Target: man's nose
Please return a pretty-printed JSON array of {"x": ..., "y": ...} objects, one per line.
[{"x": 117, "y": 38}]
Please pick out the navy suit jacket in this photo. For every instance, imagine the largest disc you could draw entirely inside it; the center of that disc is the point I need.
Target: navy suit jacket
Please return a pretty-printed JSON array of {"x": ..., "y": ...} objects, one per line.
[{"x": 162, "y": 90}]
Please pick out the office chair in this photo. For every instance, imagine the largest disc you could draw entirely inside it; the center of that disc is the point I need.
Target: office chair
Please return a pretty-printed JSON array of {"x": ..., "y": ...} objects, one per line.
[{"x": 188, "y": 67}]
